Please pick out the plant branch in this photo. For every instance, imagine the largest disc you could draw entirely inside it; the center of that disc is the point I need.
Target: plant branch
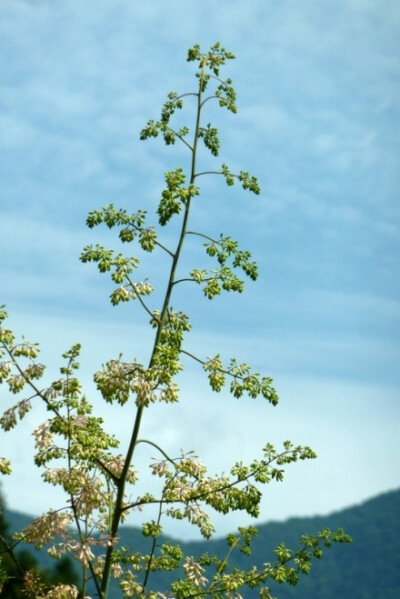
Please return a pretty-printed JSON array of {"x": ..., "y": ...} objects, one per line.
[
  {"x": 119, "y": 508},
  {"x": 224, "y": 487},
  {"x": 10, "y": 550},
  {"x": 132, "y": 284},
  {"x": 164, "y": 248},
  {"x": 209, "y": 173},
  {"x": 153, "y": 548},
  {"x": 204, "y": 236},
  {"x": 157, "y": 447},
  {"x": 179, "y": 136}
]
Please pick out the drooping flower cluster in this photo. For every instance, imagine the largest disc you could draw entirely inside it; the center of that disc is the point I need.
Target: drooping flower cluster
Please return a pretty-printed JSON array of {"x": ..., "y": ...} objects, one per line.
[
  {"x": 194, "y": 572},
  {"x": 44, "y": 528}
]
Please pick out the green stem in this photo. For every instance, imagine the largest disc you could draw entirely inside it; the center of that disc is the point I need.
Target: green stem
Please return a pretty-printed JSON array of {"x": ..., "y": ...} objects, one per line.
[
  {"x": 157, "y": 447},
  {"x": 153, "y": 549},
  {"x": 8, "y": 549},
  {"x": 223, "y": 565},
  {"x": 82, "y": 536},
  {"x": 119, "y": 508},
  {"x": 203, "y": 235}
]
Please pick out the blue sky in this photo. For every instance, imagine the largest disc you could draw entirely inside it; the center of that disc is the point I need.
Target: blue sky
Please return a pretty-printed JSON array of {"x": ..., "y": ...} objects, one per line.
[{"x": 318, "y": 123}]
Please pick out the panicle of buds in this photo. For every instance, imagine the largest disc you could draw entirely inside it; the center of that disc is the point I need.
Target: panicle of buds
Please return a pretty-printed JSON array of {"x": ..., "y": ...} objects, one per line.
[
  {"x": 83, "y": 553},
  {"x": 117, "y": 570},
  {"x": 43, "y": 436},
  {"x": 144, "y": 390},
  {"x": 193, "y": 467},
  {"x": 44, "y": 528},
  {"x": 63, "y": 591},
  {"x": 5, "y": 466},
  {"x": 143, "y": 288},
  {"x": 195, "y": 514},
  {"x": 89, "y": 495},
  {"x": 159, "y": 468},
  {"x": 5, "y": 368},
  {"x": 194, "y": 572},
  {"x": 181, "y": 491},
  {"x": 130, "y": 587}
]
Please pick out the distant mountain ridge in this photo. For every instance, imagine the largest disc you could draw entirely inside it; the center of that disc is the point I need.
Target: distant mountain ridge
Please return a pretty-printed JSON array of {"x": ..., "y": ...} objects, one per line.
[{"x": 369, "y": 568}]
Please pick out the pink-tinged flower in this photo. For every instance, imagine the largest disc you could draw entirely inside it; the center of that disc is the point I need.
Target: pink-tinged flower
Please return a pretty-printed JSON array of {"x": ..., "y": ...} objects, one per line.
[
  {"x": 44, "y": 528},
  {"x": 43, "y": 436}
]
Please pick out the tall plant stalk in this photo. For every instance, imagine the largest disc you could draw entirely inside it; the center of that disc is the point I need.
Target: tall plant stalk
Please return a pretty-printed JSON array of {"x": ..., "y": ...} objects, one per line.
[
  {"x": 118, "y": 509},
  {"x": 94, "y": 476}
]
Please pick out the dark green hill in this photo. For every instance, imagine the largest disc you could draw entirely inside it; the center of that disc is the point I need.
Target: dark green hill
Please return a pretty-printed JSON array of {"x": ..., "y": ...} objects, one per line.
[{"x": 369, "y": 568}]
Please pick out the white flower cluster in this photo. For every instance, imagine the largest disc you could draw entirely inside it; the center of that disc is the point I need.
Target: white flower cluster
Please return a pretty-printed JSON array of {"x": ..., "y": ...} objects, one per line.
[
  {"x": 196, "y": 515},
  {"x": 89, "y": 495},
  {"x": 194, "y": 572},
  {"x": 143, "y": 288},
  {"x": 144, "y": 390},
  {"x": 83, "y": 552},
  {"x": 131, "y": 291},
  {"x": 63, "y": 591},
  {"x": 130, "y": 587},
  {"x": 34, "y": 371},
  {"x": 5, "y": 368},
  {"x": 44, "y": 528},
  {"x": 159, "y": 468},
  {"x": 193, "y": 467},
  {"x": 43, "y": 436}
]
